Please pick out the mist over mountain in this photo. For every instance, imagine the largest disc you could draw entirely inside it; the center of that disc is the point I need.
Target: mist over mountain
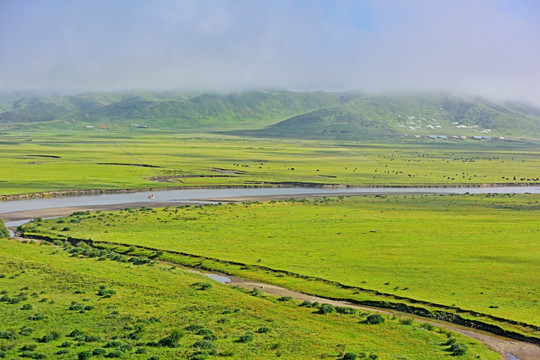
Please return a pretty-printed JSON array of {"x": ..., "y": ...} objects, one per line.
[
  {"x": 485, "y": 47},
  {"x": 276, "y": 113}
]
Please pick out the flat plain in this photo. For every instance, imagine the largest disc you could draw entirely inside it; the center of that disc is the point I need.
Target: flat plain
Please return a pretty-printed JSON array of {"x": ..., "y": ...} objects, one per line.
[{"x": 40, "y": 162}]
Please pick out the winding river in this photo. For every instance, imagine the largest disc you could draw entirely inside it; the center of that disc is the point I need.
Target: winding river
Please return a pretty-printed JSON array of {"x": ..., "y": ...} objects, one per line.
[{"x": 18, "y": 212}]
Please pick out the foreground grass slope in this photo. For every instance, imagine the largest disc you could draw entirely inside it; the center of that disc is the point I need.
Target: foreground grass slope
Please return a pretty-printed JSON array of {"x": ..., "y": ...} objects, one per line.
[
  {"x": 477, "y": 252},
  {"x": 39, "y": 162},
  {"x": 62, "y": 306}
]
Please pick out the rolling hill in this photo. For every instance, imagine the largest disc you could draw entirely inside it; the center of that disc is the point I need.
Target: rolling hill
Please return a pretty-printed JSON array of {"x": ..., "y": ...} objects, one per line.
[
  {"x": 277, "y": 113},
  {"x": 387, "y": 115}
]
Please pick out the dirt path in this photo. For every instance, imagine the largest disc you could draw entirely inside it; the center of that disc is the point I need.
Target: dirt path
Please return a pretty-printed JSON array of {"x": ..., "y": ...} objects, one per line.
[{"x": 520, "y": 350}]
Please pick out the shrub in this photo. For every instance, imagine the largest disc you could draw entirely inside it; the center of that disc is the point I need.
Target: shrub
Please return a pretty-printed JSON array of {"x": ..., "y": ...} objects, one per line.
[
  {"x": 450, "y": 341},
  {"x": 126, "y": 347},
  {"x": 29, "y": 347},
  {"x": 140, "y": 260},
  {"x": 4, "y": 232},
  {"x": 203, "y": 344},
  {"x": 32, "y": 355},
  {"x": 92, "y": 338},
  {"x": 25, "y": 331},
  {"x": 345, "y": 310},
  {"x": 99, "y": 352},
  {"x": 224, "y": 320},
  {"x": 326, "y": 309},
  {"x": 3, "y": 354},
  {"x": 458, "y": 349},
  {"x": 62, "y": 352},
  {"x": 76, "y": 333},
  {"x": 350, "y": 356},
  {"x": 27, "y": 307},
  {"x": 106, "y": 293},
  {"x": 8, "y": 335},
  {"x": 76, "y": 307},
  {"x": 285, "y": 298},
  {"x": 84, "y": 355},
  {"x": 115, "y": 354},
  {"x": 256, "y": 292},
  {"x": 50, "y": 337},
  {"x": 427, "y": 326},
  {"x": 171, "y": 340},
  {"x": 201, "y": 286},
  {"x": 194, "y": 327},
  {"x": 247, "y": 337},
  {"x": 37, "y": 317},
  {"x": 406, "y": 321},
  {"x": 205, "y": 331},
  {"x": 140, "y": 351},
  {"x": 264, "y": 330},
  {"x": 113, "y": 344},
  {"x": 374, "y": 319}
]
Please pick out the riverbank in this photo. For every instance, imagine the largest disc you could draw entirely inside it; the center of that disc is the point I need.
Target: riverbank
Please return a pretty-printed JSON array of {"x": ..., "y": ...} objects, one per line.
[{"x": 73, "y": 193}]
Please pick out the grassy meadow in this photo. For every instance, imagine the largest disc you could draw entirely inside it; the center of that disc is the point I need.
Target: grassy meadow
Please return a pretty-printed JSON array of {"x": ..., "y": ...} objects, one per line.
[
  {"x": 58, "y": 161},
  {"x": 57, "y": 303},
  {"x": 473, "y": 252}
]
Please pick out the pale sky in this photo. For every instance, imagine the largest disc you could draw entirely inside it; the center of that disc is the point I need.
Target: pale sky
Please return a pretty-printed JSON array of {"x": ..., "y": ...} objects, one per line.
[{"x": 484, "y": 47}]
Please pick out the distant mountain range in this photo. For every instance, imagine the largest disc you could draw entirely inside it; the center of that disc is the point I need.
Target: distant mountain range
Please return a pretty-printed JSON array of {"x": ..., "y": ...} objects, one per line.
[{"x": 275, "y": 113}]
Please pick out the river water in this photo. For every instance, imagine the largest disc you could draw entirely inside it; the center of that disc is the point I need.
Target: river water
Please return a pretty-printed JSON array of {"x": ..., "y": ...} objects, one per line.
[{"x": 197, "y": 195}]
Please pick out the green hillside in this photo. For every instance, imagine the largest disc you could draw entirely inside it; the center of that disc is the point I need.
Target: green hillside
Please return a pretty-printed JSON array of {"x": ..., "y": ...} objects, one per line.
[
  {"x": 23, "y": 107},
  {"x": 428, "y": 114},
  {"x": 172, "y": 110},
  {"x": 247, "y": 109},
  {"x": 276, "y": 113}
]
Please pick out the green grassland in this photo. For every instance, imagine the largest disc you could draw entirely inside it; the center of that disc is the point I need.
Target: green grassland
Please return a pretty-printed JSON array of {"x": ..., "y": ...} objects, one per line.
[
  {"x": 473, "y": 252},
  {"x": 55, "y": 161},
  {"x": 57, "y": 303}
]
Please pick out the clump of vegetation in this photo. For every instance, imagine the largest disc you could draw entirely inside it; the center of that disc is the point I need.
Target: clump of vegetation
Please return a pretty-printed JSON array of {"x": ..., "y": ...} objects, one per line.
[
  {"x": 374, "y": 319},
  {"x": 26, "y": 331},
  {"x": 50, "y": 337},
  {"x": 204, "y": 344},
  {"x": 456, "y": 348},
  {"x": 4, "y": 232},
  {"x": 326, "y": 309},
  {"x": 84, "y": 355},
  {"x": 37, "y": 317},
  {"x": 346, "y": 310},
  {"x": 284, "y": 298},
  {"x": 194, "y": 327},
  {"x": 171, "y": 340},
  {"x": 32, "y": 355},
  {"x": 201, "y": 286},
  {"x": 264, "y": 330},
  {"x": 140, "y": 260},
  {"x": 104, "y": 292},
  {"x": 10, "y": 335},
  {"x": 246, "y": 338}
]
